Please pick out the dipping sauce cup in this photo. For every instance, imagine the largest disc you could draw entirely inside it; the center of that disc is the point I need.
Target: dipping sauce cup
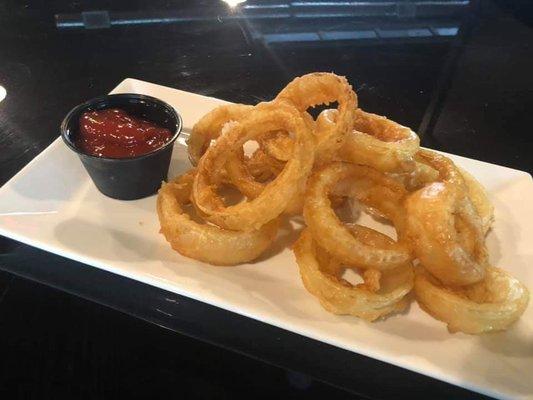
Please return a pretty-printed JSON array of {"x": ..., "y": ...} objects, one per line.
[{"x": 126, "y": 178}]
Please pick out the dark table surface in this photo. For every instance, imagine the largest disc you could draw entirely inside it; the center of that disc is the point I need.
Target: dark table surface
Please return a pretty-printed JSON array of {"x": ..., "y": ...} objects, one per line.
[{"x": 458, "y": 72}]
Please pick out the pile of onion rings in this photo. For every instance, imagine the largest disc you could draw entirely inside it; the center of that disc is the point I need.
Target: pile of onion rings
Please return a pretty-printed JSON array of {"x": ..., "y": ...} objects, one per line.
[{"x": 226, "y": 210}]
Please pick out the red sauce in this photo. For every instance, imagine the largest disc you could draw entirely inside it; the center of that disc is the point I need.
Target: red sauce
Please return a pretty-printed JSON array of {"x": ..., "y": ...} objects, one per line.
[{"x": 116, "y": 134}]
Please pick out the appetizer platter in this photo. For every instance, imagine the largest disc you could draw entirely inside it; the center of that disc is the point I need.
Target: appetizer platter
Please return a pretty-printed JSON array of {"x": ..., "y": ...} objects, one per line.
[{"x": 339, "y": 227}]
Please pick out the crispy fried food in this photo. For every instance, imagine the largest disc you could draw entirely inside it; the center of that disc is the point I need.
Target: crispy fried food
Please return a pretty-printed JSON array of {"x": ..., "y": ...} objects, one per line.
[
  {"x": 204, "y": 242},
  {"x": 239, "y": 175},
  {"x": 323, "y": 88},
  {"x": 480, "y": 199},
  {"x": 379, "y": 143},
  {"x": 277, "y": 194},
  {"x": 262, "y": 166},
  {"x": 278, "y": 145},
  {"x": 448, "y": 171},
  {"x": 327, "y": 136},
  {"x": 322, "y": 276},
  {"x": 431, "y": 166},
  {"x": 433, "y": 215},
  {"x": 210, "y": 127},
  {"x": 421, "y": 175},
  {"x": 331, "y": 169},
  {"x": 330, "y": 232},
  {"x": 490, "y": 305}
]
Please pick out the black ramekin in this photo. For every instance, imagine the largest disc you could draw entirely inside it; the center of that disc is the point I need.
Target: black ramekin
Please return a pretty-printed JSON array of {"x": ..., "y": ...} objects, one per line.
[{"x": 134, "y": 177}]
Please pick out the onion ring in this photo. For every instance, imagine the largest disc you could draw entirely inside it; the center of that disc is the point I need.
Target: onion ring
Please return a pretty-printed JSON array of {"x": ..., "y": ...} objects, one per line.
[
  {"x": 367, "y": 194},
  {"x": 330, "y": 170},
  {"x": 278, "y": 145},
  {"x": 329, "y": 231},
  {"x": 448, "y": 171},
  {"x": 239, "y": 175},
  {"x": 328, "y": 139},
  {"x": 322, "y": 277},
  {"x": 379, "y": 143},
  {"x": 421, "y": 175},
  {"x": 276, "y": 195},
  {"x": 204, "y": 242},
  {"x": 490, "y": 305},
  {"x": 210, "y": 126},
  {"x": 433, "y": 214},
  {"x": 480, "y": 199},
  {"x": 323, "y": 88},
  {"x": 262, "y": 166}
]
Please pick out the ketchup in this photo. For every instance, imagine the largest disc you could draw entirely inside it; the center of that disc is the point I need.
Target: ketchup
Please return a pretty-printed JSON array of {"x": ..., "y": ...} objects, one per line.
[{"x": 114, "y": 133}]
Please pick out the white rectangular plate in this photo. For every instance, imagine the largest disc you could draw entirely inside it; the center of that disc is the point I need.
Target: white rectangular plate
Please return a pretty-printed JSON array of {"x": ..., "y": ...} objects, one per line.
[{"x": 52, "y": 204}]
